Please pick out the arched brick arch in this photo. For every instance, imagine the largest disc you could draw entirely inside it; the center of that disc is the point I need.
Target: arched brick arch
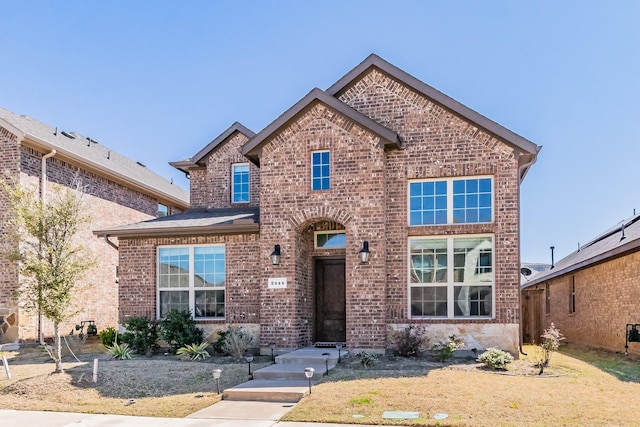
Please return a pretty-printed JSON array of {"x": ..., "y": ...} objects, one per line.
[{"x": 312, "y": 214}]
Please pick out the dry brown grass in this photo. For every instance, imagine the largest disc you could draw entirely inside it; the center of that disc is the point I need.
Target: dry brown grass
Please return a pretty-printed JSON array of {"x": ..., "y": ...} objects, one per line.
[
  {"x": 570, "y": 393},
  {"x": 601, "y": 389},
  {"x": 158, "y": 386}
]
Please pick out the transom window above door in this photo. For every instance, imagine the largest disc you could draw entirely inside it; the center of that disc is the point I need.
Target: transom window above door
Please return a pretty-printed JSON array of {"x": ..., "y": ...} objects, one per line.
[
  {"x": 320, "y": 170},
  {"x": 451, "y": 201},
  {"x": 330, "y": 240}
]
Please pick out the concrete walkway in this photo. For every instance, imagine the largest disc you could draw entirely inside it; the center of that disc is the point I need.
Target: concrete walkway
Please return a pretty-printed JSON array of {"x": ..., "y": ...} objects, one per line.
[{"x": 257, "y": 403}]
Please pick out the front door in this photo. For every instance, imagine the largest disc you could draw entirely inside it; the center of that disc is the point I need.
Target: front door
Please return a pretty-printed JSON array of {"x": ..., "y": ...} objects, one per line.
[{"x": 331, "y": 321}]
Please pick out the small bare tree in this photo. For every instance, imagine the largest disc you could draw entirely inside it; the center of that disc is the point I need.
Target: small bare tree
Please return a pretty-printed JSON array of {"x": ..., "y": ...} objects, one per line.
[{"x": 43, "y": 241}]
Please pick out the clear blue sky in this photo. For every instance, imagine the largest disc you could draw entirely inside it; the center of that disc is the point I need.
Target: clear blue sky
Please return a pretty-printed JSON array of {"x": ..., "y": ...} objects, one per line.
[{"x": 157, "y": 80}]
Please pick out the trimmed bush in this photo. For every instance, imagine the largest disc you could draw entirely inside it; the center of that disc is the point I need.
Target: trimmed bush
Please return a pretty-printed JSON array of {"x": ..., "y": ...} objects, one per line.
[
  {"x": 495, "y": 358},
  {"x": 141, "y": 335},
  {"x": 409, "y": 342},
  {"x": 178, "y": 329}
]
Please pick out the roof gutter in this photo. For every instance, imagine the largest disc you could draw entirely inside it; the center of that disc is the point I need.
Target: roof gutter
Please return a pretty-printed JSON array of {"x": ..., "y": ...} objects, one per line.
[
  {"x": 182, "y": 231},
  {"x": 42, "y": 144}
]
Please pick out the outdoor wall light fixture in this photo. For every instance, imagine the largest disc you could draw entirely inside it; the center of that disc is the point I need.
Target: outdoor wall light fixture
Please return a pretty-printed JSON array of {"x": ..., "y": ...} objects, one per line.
[
  {"x": 308, "y": 372},
  {"x": 275, "y": 255},
  {"x": 364, "y": 252},
  {"x": 249, "y": 358},
  {"x": 216, "y": 376}
]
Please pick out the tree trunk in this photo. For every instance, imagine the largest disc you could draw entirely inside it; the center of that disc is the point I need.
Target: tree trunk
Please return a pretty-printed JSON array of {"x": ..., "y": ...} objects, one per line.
[{"x": 57, "y": 351}]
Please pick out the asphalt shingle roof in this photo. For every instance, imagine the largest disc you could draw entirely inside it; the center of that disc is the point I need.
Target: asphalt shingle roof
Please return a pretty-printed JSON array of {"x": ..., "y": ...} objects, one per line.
[
  {"x": 607, "y": 245},
  {"x": 96, "y": 155}
]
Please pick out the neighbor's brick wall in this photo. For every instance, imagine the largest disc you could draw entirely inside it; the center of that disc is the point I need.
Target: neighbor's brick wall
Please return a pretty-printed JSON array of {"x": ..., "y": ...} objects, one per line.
[
  {"x": 109, "y": 204},
  {"x": 138, "y": 275},
  {"x": 288, "y": 206},
  {"x": 607, "y": 298},
  {"x": 211, "y": 186},
  {"x": 9, "y": 167},
  {"x": 439, "y": 144}
]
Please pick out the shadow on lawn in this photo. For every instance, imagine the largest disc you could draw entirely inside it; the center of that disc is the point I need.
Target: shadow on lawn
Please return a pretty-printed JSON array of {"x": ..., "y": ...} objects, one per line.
[{"x": 625, "y": 368}]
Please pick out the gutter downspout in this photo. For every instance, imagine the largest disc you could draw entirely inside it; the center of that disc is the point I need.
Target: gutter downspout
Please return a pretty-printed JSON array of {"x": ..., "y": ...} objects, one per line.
[
  {"x": 43, "y": 198},
  {"x": 520, "y": 178},
  {"x": 110, "y": 243}
]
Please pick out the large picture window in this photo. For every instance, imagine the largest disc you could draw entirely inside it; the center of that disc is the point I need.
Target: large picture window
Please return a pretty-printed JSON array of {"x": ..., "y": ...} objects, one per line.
[
  {"x": 451, "y": 201},
  {"x": 192, "y": 278},
  {"x": 451, "y": 277}
]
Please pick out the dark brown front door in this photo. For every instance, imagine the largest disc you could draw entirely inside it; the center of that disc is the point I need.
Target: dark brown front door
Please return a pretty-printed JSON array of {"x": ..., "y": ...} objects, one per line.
[{"x": 330, "y": 301}]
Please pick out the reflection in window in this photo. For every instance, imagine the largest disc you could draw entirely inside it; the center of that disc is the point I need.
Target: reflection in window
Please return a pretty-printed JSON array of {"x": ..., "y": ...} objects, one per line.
[
  {"x": 438, "y": 267},
  {"x": 192, "y": 278},
  {"x": 331, "y": 240},
  {"x": 240, "y": 183}
]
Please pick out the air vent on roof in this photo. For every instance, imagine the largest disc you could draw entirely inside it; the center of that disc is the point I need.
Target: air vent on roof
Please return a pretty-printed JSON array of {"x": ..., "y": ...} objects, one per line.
[
  {"x": 91, "y": 140},
  {"x": 68, "y": 135},
  {"x": 141, "y": 164}
]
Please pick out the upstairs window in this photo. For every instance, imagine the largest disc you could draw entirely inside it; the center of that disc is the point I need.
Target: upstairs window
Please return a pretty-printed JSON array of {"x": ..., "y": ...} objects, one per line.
[
  {"x": 451, "y": 201},
  {"x": 320, "y": 177},
  {"x": 240, "y": 183},
  {"x": 163, "y": 210}
]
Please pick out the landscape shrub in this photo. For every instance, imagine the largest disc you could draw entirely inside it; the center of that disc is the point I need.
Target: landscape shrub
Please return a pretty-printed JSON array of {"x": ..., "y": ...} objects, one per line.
[
  {"x": 194, "y": 351},
  {"x": 119, "y": 351},
  {"x": 445, "y": 349},
  {"x": 141, "y": 335},
  {"x": 495, "y": 358},
  {"x": 409, "y": 342},
  {"x": 550, "y": 342},
  {"x": 237, "y": 342},
  {"x": 108, "y": 336},
  {"x": 367, "y": 359},
  {"x": 179, "y": 329}
]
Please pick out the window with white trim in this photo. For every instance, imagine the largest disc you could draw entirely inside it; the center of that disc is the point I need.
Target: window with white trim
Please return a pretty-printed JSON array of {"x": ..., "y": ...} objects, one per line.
[
  {"x": 451, "y": 277},
  {"x": 451, "y": 201},
  {"x": 240, "y": 183},
  {"x": 192, "y": 278},
  {"x": 320, "y": 170}
]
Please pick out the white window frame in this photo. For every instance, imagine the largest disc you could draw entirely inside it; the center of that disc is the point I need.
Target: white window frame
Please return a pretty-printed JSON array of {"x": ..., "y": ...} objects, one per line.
[
  {"x": 191, "y": 288},
  {"x": 449, "y": 182},
  {"x": 450, "y": 284},
  {"x": 233, "y": 192},
  {"x": 312, "y": 175}
]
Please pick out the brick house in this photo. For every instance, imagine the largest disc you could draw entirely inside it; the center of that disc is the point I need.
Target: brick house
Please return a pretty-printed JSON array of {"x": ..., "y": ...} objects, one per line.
[
  {"x": 590, "y": 295},
  {"x": 117, "y": 190},
  {"x": 378, "y": 166}
]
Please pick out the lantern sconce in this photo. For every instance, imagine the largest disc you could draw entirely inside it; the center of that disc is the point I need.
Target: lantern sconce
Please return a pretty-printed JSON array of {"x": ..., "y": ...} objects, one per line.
[
  {"x": 364, "y": 252},
  {"x": 275, "y": 255}
]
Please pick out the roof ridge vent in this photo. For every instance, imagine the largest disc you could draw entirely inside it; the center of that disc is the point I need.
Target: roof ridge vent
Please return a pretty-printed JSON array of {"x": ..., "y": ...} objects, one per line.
[
  {"x": 141, "y": 164},
  {"x": 68, "y": 135}
]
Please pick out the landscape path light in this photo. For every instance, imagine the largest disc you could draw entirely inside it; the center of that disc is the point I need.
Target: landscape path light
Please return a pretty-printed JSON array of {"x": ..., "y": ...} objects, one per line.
[
  {"x": 326, "y": 362},
  {"x": 249, "y": 358},
  {"x": 272, "y": 346},
  {"x": 339, "y": 347},
  {"x": 216, "y": 376},
  {"x": 308, "y": 372}
]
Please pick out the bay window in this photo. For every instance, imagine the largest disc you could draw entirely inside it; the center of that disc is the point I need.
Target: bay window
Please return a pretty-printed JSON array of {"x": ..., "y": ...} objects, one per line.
[
  {"x": 192, "y": 278},
  {"x": 451, "y": 277}
]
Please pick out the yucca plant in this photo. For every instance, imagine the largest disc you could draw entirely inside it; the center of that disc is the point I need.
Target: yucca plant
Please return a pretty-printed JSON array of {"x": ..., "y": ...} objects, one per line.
[
  {"x": 193, "y": 351},
  {"x": 120, "y": 351}
]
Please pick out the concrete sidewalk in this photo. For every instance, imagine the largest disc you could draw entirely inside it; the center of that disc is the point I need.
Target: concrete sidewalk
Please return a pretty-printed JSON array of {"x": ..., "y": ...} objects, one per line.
[{"x": 235, "y": 414}]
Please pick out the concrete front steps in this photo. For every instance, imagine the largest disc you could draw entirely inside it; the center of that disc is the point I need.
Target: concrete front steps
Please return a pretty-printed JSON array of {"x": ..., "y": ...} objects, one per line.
[{"x": 285, "y": 381}]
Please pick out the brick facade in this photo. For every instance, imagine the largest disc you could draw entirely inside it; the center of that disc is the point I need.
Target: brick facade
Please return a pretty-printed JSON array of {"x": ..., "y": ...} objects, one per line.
[
  {"x": 108, "y": 203},
  {"x": 367, "y": 199},
  {"x": 606, "y": 299}
]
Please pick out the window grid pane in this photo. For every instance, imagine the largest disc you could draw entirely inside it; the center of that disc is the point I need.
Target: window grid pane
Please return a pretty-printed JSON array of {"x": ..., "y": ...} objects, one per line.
[
  {"x": 240, "y": 184},
  {"x": 320, "y": 170},
  {"x": 449, "y": 262},
  {"x": 472, "y": 200},
  {"x": 201, "y": 288},
  {"x": 428, "y": 203}
]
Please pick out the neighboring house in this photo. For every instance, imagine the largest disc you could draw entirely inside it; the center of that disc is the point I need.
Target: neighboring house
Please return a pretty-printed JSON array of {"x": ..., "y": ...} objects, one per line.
[
  {"x": 117, "y": 191},
  {"x": 529, "y": 270},
  {"x": 590, "y": 295},
  {"x": 373, "y": 205}
]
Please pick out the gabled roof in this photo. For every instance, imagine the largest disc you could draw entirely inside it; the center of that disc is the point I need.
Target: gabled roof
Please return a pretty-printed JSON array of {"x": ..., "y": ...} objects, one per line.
[
  {"x": 93, "y": 156},
  {"x": 254, "y": 146},
  {"x": 620, "y": 240},
  {"x": 528, "y": 149},
  {"x": 195, "y": 160},
  {"x": 192, "y": 222}
]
